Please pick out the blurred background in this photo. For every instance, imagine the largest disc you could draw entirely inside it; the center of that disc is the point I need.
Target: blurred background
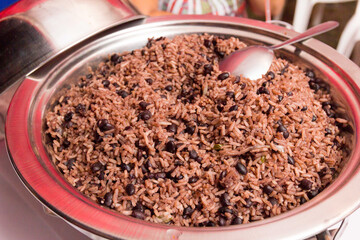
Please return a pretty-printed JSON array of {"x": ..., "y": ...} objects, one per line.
[
  {"x": 311, "y": 11},
  {"x": 318, "y": 11}
]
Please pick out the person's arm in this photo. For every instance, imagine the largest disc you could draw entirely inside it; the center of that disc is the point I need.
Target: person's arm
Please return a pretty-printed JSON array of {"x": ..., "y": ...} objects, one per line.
[
  {"x": 258, "y": 7},
  {"x": 148, "y": 7}
]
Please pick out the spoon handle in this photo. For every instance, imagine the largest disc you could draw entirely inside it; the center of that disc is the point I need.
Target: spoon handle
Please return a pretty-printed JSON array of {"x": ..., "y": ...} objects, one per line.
[{"x": 318, "y": 29}]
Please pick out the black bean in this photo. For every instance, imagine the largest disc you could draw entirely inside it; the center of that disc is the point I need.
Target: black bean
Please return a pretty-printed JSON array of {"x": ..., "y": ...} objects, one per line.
[
  {"x": 284, "y": 69},
  {"x": 70, "y": 163},
  {"x": 222, "y": 174},
  {"x": 223, "y": 76},
  {"x": 65, "y": 100},
  {"x": 219, "y": 53},
  {"x": 314, "y": 118},
  {"x": 89, "y": 76},
  {"x": 101, "y": 175},
  {"x": 178, "y": 178},
  {"x": 328, "y": 112},
  {"x": 327, "y": 131},
  {"x": 78, "y": 184},
  {"x": 145, "y": 115},
  {"x": 169, "y": 88},
  {"x": 302, "y": 200},
  {"x": 249, "y": 203},
  {"x": 116, "y": 58},
  {"x": 223, "y": 210},
  {"x": 233, "y": 108},
  {"x": 108, "y": 199},
  {"x": 172, "y": 128},
  {"x": 208, "y": 68},
  {"x": 290, "y": 94},
  {"x": 106, "y": 83},
  {"x": 222, "y": 221},
  {"x": 122, "y": 93},
  {"x": 68, "y": 116},
  {"x": 139, "y": 155},
  {"x": 305, "y": 184},
  {"x": 242, "y": 86},
  {"x": 139, "y": 207},
  {"x": 220, "y": 108},
  {"x": 210, "y": 224},
  {"x": 241, "y": 168},
  {"x": 313, "y": 193},
  {"x": 273, "y": 200},
  {"x": 160, "y": 175},
  {"x": 236, "y": 221},
  {"x": 225, "y": 199},
  {"x": 323, "y": 172},
  {"x": 291, "y": 160},
  {"x": 80, "y": 109},
  {"x": 125, "y": 167},
  {"x": 178, "y": 163},
  {"x": 281, "y": 128},
  {"x": 199, "y": 159},
  {"x": 197, "y": 65},
  {"x": 138, "y": 214},
  {"x": 207, "y": 43},
  {"x": 190, "y": 130},
  {"x": 214, "y": 41},
  {"x": 314, "y": 86},
  {"x": 116, "y": 85},
  {"x": 149, "y": 81},
  {"x": 193, "y": 154},
  {"x": 170, "y": 147},
  {"x": 262, "y": 90},
  {"x": 187, "y": 212},
  {"x": 104, "y": 125},
  {"x": 286, "y": 134},
  {"x": 96, "y": 167},
  {"x": 149, "y": 43},
  {"x": 269, "y": 109},
  {"x": 97, "y": 137},
  {"x": 268, "y": 189},
  {"x": 193, "y": 179},
  {"x": 270, "y": 75},
  {"x": 230, "y": 94},
  {"x": 143, "y": 105},
  {"x": 243, "y": 97},
  {"x": 310, "y": 73},
  {"x": 280, "y": 98},
  {"x": 304, "y": 108},
  {"x": 130, "y": 189}
]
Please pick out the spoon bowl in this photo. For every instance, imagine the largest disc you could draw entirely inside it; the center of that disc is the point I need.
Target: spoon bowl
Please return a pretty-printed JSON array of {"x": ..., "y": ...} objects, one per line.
[{"x": 253, "y": 62}]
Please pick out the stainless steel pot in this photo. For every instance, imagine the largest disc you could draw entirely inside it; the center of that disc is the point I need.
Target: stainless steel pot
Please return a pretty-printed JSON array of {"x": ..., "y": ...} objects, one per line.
[{"x": 37, "y": 91}]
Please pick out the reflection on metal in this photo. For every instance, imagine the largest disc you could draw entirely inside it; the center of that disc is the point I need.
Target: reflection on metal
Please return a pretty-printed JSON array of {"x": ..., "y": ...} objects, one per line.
[{"x": 28, "y": 38}]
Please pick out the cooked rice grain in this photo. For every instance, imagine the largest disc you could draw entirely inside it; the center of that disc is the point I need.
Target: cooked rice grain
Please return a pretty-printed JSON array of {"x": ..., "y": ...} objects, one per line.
[{"x": 111, "y": 129}]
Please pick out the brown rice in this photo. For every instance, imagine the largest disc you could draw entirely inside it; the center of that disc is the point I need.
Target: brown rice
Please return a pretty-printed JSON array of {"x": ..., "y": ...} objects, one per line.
[{"x": 161, "y": 134}]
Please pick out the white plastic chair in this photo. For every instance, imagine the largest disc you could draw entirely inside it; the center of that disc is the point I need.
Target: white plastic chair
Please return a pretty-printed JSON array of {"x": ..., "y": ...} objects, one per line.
[
  {"x": 303, "y": 11},
  {"x": 351, "y": 34}
]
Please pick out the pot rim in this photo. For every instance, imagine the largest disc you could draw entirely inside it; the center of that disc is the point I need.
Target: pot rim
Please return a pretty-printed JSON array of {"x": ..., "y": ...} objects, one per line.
[{"x": 46, "y": 184}]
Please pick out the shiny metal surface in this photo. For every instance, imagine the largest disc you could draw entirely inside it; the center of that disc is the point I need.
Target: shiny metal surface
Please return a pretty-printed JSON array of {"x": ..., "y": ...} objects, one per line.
[
  {"x": 30, "y": 37},
  {"x": 24, "y": 127},
  {"x": 253, "y": 62}
]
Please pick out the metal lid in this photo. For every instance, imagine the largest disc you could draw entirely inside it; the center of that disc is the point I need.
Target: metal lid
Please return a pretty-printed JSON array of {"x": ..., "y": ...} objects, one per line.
[{"x": 31, "y": 31}]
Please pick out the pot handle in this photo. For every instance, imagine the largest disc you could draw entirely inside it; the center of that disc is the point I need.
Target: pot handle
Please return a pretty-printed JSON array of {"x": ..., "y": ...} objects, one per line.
[
  {"x": 31, "y": 31},
  {"x": 326, "y": 235}
]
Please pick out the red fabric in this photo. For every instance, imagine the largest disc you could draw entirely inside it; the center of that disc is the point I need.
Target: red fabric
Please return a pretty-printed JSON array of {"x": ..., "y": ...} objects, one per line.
[{"x": 19, "y": 7}]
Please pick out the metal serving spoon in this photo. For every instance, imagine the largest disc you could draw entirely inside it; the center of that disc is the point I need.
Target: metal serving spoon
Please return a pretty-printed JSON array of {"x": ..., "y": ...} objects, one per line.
[{"x": 254, "y": 61}]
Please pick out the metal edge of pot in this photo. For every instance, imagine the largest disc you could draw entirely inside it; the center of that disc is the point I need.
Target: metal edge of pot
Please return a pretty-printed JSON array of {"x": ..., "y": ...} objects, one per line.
[{"x": 270, "y": 228}]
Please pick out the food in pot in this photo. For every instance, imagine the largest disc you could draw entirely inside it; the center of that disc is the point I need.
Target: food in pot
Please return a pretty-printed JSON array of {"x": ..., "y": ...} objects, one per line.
[{"x": 161, "y": 134}]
